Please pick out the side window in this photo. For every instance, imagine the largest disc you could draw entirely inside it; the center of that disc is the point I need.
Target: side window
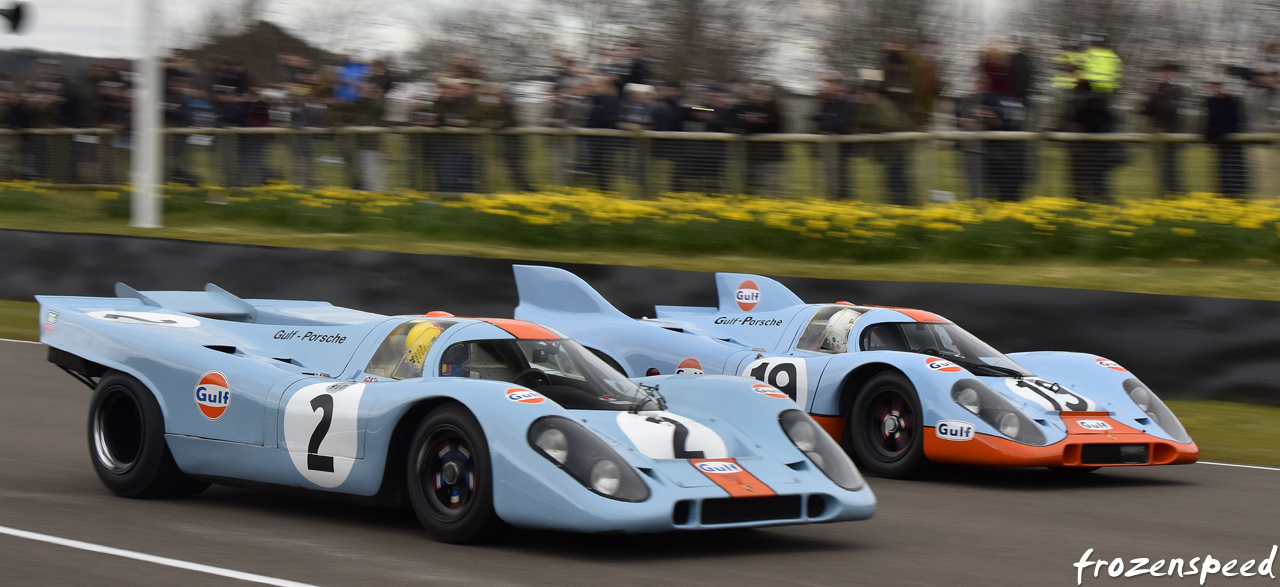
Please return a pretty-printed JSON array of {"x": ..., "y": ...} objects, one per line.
[
  {"x": 826, "y": 322},
  {"x": 883, "y": 337},
  {"x": 402, "y": 352},
  {"x": 481, "y": 360}
]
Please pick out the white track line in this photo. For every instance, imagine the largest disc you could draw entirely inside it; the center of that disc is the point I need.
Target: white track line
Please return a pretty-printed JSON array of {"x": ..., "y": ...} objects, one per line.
[
  {"x": 1241, "y": 466},
  {"x": 21, "y": 341},
  {"x": 159, "y": 560}
]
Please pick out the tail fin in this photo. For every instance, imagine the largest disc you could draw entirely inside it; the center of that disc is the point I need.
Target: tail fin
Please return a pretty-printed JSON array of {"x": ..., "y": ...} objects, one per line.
[
  {"x": 740, "y": 292},
  {"x": 553, "y": 290}
]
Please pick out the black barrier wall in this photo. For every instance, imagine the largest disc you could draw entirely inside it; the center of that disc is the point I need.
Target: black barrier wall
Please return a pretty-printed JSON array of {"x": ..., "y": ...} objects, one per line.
[{"x": 1183, "y": 347}]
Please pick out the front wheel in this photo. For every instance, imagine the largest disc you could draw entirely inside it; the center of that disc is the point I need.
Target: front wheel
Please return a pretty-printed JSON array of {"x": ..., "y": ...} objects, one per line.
[
  {"x": 126, "y": 442},
  {"x": 885, "y": 433},
  {"x": 449, "y": 476}
]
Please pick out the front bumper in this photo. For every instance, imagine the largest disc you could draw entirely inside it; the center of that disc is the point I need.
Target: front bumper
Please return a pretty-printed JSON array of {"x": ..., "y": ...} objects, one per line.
[
  {"x": 672, "y": 507},
  {"x": 1118, "y": 446}
]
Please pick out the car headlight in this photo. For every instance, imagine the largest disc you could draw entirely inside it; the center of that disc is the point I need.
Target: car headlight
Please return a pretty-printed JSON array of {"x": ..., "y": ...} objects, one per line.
[
  {"x": 587, "y": 458},
  {"x": 1148, "y": 402},
  {"x": 813, "y": 441},
  {"x": 968, "y": 399},
  {"x": 1009, "y": 425},
  {"x": 552, "y": 442},
  {"x": 605, "y": 477},
  {"x": 996, "y": 410}
]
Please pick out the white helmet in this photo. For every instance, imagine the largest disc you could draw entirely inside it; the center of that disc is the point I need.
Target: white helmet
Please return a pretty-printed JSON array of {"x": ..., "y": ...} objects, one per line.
[{"x": 836, "y": 337}]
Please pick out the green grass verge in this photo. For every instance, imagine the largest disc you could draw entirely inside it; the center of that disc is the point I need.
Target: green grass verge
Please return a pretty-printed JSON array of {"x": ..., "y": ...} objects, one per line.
[
  {"x": 1227, "y": 432},
  {"x": 83, "y": 212},
  {"x": 1232, "y": 433}
]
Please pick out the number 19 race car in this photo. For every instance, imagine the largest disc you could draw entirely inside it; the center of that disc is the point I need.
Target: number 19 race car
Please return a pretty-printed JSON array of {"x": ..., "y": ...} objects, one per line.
[
  {"x": 898, "y": 387},
  {"x": 471, "y": 421}
]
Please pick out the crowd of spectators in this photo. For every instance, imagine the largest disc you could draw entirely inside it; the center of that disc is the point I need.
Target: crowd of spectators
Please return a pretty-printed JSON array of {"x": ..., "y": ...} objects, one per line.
[{"x": 618, "y": 91}]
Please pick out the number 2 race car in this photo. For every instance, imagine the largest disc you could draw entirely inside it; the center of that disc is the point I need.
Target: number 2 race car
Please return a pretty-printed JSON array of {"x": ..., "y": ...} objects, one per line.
[
  {"x": 472, "y": 421},
  {"x": 898, "y": 387}
]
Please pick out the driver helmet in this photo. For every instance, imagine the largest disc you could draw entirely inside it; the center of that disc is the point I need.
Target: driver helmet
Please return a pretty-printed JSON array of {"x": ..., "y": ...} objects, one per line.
[
  {"x": 836, "y": 337},
  {"x": 419, "y": 341}
]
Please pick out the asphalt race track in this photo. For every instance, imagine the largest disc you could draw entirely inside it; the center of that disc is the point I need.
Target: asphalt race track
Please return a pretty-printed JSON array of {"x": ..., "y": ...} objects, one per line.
[{"x": 959, "y": 527}]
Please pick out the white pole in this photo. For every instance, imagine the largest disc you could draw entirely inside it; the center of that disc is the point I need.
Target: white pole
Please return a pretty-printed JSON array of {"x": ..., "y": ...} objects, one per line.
[{"x": 146, "y": 206}]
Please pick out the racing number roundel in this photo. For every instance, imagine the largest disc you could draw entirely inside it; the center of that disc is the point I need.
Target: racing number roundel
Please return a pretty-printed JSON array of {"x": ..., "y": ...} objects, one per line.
[
  {"x": 747, "y": 296},
  {"x": 320, "y": 431}
]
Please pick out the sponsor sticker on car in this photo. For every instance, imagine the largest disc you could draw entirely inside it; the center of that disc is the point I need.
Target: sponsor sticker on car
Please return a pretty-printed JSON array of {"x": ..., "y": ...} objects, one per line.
[
  {"x": 525, "y": 396},
  {"x": 1108, "y": 363},
  {"x": 747, "y": 296},
  {"x": 943, "y": 365},
  {"x": 732, "y": 477},
  {"x": 954, "y": 430},
  {"x": 1093, "y": 424},
  {"x": 770, "y": 391},
  {"x": 689, "y": 366},
  {"x": 50, "y": 322},
  {"x": 213, "y": 395}
]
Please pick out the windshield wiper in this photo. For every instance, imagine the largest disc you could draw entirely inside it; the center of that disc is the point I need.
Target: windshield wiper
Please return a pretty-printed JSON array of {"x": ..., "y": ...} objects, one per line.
[
  {"x": 1006, "y": 371},
  {"x": 651, "y": 394}
]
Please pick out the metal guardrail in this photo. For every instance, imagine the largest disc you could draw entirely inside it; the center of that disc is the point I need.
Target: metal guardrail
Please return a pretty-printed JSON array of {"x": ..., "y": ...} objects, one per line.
[{"x": 903, "y": 167}]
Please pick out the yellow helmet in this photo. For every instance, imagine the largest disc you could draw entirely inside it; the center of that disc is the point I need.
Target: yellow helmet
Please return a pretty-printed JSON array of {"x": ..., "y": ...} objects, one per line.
[{"x": 419, "y": 341}]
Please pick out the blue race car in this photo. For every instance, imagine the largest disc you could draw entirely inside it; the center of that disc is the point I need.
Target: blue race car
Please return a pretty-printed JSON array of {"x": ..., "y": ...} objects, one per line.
[
  {"x": 471, "y": 421},
  {"x": 897, "y": 387}
]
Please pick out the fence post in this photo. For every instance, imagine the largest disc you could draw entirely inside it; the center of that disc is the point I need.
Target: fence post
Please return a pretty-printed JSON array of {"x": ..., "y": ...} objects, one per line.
[
  {"x": 736, "y": 165},
  {"x": 59, "y": 152},
  {"x": 644, "y": 158}
]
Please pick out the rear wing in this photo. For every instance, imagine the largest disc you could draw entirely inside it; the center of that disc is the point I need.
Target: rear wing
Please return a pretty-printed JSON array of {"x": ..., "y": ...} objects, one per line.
[
  {"x": 220, "y": 304},
  {"x": 544, "y": 290}
]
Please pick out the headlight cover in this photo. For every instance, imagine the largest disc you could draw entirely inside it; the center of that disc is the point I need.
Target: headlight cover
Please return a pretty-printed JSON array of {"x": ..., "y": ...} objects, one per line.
[
  {"x": 997, "y": 410},
  {"x": 587, "y": 458},
  {"x": 1160, "y": 413},
  {"x": 814, "y": 442}
]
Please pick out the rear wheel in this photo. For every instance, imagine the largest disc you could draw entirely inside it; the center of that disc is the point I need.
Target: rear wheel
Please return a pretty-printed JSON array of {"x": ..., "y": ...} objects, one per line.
[
  {"x": 884, "y": 430},
  {"x": 449, "y": 476},
  {"x": 126, "y": 442}
]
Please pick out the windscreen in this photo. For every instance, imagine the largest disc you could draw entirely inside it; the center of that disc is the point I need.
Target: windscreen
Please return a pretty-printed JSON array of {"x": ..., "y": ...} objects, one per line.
[
  {"x": 946, "y": 341},
  {"x": 561, "y": 369}
]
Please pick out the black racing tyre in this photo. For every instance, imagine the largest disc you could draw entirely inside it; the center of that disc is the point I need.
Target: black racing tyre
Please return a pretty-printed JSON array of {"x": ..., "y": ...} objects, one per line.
[
  {"x": 126, "y": 442},
  {"x": 884, "y": 432},
  {"x": 450, "y": 481}
]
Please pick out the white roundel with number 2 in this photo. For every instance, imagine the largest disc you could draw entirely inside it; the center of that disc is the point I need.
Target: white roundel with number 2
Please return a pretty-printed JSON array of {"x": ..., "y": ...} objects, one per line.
[{"x": 321, "y": 432}]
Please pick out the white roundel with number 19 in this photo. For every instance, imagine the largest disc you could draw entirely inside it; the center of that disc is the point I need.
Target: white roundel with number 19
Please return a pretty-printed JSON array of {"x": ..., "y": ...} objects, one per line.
[
  {"x": 321, "y": 431},
  {"x": 788, "y": 374}
]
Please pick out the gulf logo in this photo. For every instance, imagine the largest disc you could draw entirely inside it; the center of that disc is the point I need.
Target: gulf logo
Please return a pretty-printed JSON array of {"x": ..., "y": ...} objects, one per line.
[
  {"x": 689, "y": 366},
  {"x": 769, "y": 390},
  {"x": 719, "y": 467},
  {"x": 747, "y": 296},
  {"x": 525, "y": 396},
  {"x": 1108, "y": 363},
  {"x": 943, "y": 365},
  {"x": 213, "y": 395}
]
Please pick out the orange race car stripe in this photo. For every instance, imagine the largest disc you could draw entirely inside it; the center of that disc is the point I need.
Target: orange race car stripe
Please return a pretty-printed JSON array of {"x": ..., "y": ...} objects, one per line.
[
  {"x": 834, "y": 425},
  {"x": 521, "y": 329},
  {"x": 995, "y": 451},
  {"x": 732, "y": 477},
  {"x": 917, "y": 315}
]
